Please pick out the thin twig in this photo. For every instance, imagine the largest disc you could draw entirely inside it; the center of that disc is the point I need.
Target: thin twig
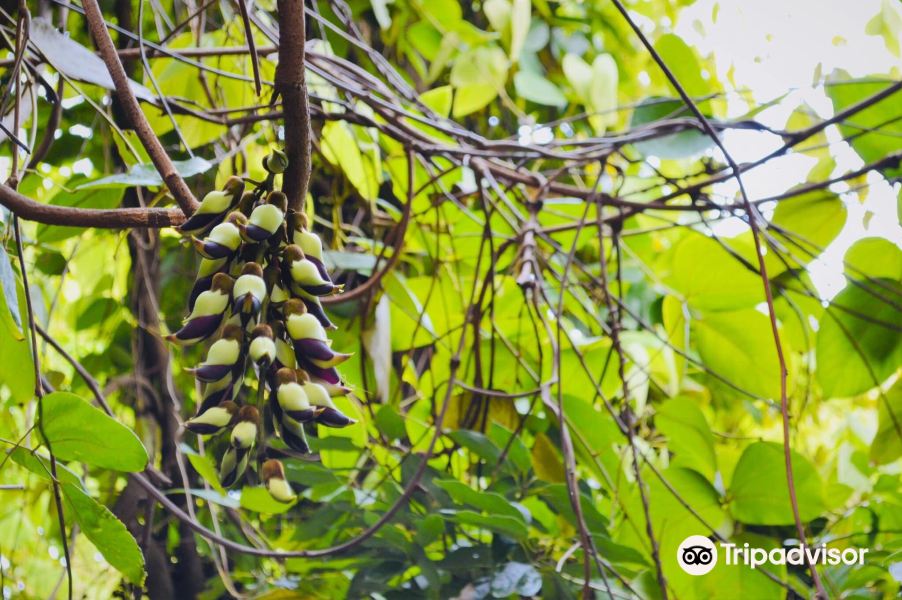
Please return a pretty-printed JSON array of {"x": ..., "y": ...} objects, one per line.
[{"x": 251, "y": 45}]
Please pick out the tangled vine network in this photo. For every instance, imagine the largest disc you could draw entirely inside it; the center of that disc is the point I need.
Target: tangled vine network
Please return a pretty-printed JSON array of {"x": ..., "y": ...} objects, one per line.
[{"x": 263, "y": 262}]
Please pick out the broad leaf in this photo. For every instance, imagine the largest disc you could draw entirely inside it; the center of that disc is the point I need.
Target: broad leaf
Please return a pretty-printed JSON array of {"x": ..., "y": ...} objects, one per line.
[
  {"x": 887, "y": 444},
  {"x": 488, "y": 502},
  {"x": 809, "y": 223},
  {"x": 687, "y": 430},
  {"x": 710, "y": 277},
  {"x": 75, "y": 430},
  {"x": 683, "y": 144},
  {"x": 146, "y": 175},
  {"x": 9, "y": 286},
  {"x": 76, "y": 61},
  {"x": 17, "y": 370},
  {"x": 739, "y": 348},
  {"x": 536, "y": 88},
  {"x": 509, "y": 526},
  {"x": 760, "y": 494},
  {"x": 39, "y": 464},
  {"x": 875, "y": 131},
  {"x": 257, "y": 499},
  {"x": 858, "y": 343},
  {"x": 106, "y": 532},
  {"x": 873, "y": 257}
]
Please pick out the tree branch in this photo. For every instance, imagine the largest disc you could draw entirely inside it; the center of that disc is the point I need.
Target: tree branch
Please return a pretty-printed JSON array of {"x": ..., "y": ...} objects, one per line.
[
  {"x": 176, "y": 184},
  {"x": 291, "y": 87},
  {"x": 113, "y": 218}
]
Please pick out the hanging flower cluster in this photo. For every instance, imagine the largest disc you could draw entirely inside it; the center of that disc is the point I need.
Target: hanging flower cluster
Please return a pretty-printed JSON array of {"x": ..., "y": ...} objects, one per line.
[{"x": 257, "y": 294}]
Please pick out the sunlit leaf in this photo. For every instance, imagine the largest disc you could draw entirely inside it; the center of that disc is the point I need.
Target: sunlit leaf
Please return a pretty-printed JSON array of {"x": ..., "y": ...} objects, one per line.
[
  {"x": 887, "y": 444},
  {"x": 760, "y": 492},
  {"x": 75, "y": 430},
  {"x": 690, "y": 439},
  {"x": 106, "y": 532},
  {"x": 858, "y": 343}
]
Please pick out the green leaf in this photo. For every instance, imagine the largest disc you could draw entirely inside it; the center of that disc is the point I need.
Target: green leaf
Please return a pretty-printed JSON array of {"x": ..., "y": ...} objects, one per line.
[
  {"x": 257, "y": 499},
  {"x": 810, "y": 221},
  {"x": 341, "y": 148},
  {"x": 858, "y": 342},
  {"x": 106, "y": 532},
  {"x": 521, "y": 12},
  {"x": 477, "y": 443},
  {"x": 594, "y": 432},
  {"x": 76, "y": 61},
  {"x": 509, "y": 526},
  {"x": 674, "y": 316},
  {"x": 558, "y": 498},
  {"x": 684, "y": 144},
  {"x": 146, "y": 175},
  {"x": 681, "y": 60},
  {"x": 355, "y": 435},
  {"x": 411, "y": 325},
  {"x": 39, "y": 464},
  {"x": 498, "y": 12},
  {"x": 9, "y": 284},
  {"x": 579, "y": 74},
  {"x": 603, "y": 87},
  {"x": 488, "y": 502},
  {"x": 876, "y": 130},
  {"x": 760, "y": 495},
  {"x": 17, "y": 370},
  {"x": 873, "y": 257},
  {"x": 477, "y": 76},
  {"x": 517, "y": 454},
  {"x": 75, "y": 430},
  {"x": 51, "y": 262},
  {"x": 486, "y": 65},
  {"x": 546, "y": 460},
  {"x": 439, "y": 100},
  {"x": 595, "y": 85},
  {"x": 690, "y": 440},
  {"x": 887, "y": 444},
  {"x": 363, "y": 263},
  {"x": 204, "y": 467},
  {"x": 671, "y": 521},
  {"x": 390, "y": 422},
  {"x": 536, "y": 88},
  {"x": 98, "y": 311},
  {"x": 472, "y": 97},
  {"x": 888, "y": 24},
  {"x": 739, "y": 346},
  {"x": 710, "y": 278}
]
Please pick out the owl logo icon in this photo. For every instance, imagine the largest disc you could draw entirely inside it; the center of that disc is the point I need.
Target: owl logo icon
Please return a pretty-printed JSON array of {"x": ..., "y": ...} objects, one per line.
[{"x": 697, "y": 555}]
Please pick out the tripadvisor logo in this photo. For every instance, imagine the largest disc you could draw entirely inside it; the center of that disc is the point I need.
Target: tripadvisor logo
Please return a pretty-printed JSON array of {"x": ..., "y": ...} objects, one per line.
[{"x": 697, "y": 555}]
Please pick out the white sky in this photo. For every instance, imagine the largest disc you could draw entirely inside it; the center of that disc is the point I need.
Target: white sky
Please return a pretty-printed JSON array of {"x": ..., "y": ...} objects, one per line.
[{"x": 775, "y": 46}]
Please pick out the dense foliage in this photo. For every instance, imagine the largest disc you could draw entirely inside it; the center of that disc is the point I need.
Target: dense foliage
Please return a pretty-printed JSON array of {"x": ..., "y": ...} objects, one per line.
[{"x": 567, "y": 350}]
